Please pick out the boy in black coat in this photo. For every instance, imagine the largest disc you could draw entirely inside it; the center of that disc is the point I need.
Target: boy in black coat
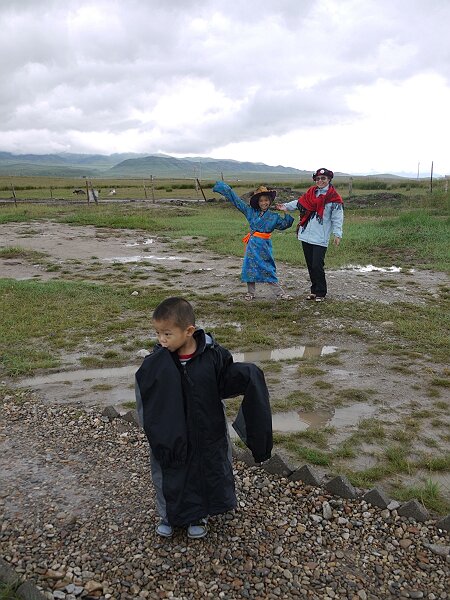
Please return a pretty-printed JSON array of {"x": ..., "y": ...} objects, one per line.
[{"x": 179, "y": 391}]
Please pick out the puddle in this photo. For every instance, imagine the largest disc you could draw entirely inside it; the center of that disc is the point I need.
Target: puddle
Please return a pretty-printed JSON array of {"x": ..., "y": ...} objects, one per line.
[
  {"x": 140, "y": 257},
  {"x": 285, "y": 353},
  {"x": 81, "y": 375},
  {"x": 293, "y": 421},
  {"x": 130, "y": 370},
  {"x": 371, "y": 268},
  {"x": 144, "y": 243}
]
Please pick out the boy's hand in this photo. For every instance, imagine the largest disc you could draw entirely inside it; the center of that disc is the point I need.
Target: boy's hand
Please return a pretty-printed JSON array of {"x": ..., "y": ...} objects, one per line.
[{"x": 220, "y": 187}]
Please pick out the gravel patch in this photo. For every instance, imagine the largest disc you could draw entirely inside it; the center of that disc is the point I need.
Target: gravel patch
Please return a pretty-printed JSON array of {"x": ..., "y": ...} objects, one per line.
[{"x": 78, "y": 517}]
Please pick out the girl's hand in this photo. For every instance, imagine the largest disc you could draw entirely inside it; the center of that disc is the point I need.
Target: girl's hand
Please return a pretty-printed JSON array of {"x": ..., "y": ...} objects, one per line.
[
  {"x": 337, "y": 241},
  {"x": 279, "y": 206},
  {"x": 221, "y": 187}
]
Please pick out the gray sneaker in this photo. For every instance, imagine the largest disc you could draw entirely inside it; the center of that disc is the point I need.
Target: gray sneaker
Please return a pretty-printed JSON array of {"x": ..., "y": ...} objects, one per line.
[
  {"x": 198, "y": 530},
  {"x": 164, "y": 529}
]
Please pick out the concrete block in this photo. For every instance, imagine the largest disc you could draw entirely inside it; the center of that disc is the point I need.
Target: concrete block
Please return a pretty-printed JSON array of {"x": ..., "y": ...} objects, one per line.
[
  {"x": 341, "y": 486},
  {"x": 110, "y": 412},
  {"x": 132, "y": 417},
  {"x": 243, "y": 455},
  {"x": 414, "y": 510},
  {"x": 276, "y": 466},
  {"x": 7, "y": 573},
  {"x": 444, "y": 523},
  {"x": 377, "y": 497},
  {"x": 28, "y": 591},
  {"x": 307, "y": 474}
]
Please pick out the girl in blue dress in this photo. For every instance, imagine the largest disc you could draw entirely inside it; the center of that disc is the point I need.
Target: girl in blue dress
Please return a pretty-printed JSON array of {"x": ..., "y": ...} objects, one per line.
[{"x": 259, "y": 264}]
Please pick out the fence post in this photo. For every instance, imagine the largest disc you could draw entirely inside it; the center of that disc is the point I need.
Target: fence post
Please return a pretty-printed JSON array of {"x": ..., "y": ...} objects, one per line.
[
  {"x": 145, "y": 189},
  {"x": 153, "y": 189},
  {"x": 201, "y": 189},
  {"x": 350, "y": 187},
  {"x": 14, "y": 194},
  {"x": 87, "y": 190}
]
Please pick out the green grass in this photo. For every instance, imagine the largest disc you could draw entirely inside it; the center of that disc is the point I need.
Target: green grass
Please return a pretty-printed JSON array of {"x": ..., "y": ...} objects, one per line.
[
  {"x": 8, "y": 591},
  {"x": 410, "y": 237},
  {"x": 428, "y": 494},
  {"x": 39, "y": 319},
  {"x": 19, "y": 252},
  {"x": 297, "y": 399},
  {"x": 436, "y": 463}
]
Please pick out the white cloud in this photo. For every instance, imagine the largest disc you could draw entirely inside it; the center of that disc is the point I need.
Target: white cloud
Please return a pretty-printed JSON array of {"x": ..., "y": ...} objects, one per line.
[{"x": 356, "y": 84}]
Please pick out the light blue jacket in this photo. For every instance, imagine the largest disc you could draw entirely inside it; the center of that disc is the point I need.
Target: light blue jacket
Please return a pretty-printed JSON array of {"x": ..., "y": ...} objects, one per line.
[{"x": 316, "y": 232}]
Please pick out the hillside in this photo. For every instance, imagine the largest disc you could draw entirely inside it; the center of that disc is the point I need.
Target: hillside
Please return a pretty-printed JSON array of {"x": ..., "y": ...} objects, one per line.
[
  {"x": 208, "y": 168},
  {"x": 128, "y": 165}
]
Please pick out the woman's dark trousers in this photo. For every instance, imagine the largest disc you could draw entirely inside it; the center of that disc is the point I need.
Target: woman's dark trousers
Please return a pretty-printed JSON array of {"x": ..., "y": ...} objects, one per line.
[{"x": 315, "y": 261}]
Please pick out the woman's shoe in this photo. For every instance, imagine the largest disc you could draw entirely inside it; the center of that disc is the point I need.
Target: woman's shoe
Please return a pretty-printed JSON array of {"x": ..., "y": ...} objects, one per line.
[
  {"x": 249, "y": 297},
  {"x": 285, "y": 297},
  {"x": 311, "y": 297},
  {"x": 320, "y": 298}
]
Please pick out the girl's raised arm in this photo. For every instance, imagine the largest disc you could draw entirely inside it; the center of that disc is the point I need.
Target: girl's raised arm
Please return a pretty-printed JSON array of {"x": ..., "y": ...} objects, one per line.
[{"x": 224, "y": 189}]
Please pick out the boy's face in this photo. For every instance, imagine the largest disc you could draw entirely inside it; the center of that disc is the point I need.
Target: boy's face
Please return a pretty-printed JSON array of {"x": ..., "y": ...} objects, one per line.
[{"x": 174, "y": 338}]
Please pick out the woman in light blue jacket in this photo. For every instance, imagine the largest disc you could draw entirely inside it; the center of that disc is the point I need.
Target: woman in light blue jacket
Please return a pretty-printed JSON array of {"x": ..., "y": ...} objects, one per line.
[{"x": 321, "y": 214}]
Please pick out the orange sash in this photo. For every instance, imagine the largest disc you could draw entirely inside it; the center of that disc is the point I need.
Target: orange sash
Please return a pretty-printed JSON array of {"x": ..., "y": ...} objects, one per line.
[{"x": 264, "y": 236}]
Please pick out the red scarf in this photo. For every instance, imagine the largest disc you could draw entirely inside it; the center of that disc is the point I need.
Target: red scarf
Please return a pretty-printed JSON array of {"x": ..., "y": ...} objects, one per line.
[{"x": 310, "y": 204}]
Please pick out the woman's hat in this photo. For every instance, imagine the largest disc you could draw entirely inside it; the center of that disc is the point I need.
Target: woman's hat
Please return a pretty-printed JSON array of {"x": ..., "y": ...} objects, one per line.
[
  {"x": 261, "y": 191},
  {"x": 325, "y": 172}
]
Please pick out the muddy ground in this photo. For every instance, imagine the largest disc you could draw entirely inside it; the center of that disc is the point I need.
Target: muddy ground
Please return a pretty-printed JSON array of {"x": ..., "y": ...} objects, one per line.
[{"x": 89, "y": 253}]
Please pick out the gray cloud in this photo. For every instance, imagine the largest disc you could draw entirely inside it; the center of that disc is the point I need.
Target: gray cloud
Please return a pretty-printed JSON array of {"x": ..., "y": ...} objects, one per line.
[{"x": 106, "y": 68}]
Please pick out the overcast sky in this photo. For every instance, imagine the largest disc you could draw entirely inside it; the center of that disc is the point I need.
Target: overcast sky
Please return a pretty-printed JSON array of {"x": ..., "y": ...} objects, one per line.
[{"x": 353, "y": 85}]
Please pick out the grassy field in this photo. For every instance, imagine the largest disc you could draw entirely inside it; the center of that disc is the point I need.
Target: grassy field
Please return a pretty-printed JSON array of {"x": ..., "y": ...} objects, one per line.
[
  {"x": 58, "y": 188},
  {"x": 40, "y": 320}
]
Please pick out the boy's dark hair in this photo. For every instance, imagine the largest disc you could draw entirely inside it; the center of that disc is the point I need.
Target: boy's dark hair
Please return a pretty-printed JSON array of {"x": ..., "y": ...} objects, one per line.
[{"x": 177, "y": 310}]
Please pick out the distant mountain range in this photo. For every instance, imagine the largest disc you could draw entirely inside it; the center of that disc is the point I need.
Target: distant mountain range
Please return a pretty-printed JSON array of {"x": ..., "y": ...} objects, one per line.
[
  {"x": 135, "y": 165},
  {"x": 132, "y": 165}
]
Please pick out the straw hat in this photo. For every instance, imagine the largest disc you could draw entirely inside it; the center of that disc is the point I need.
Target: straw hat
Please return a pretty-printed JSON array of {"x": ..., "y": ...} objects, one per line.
[{"x": 261, "y": 191}]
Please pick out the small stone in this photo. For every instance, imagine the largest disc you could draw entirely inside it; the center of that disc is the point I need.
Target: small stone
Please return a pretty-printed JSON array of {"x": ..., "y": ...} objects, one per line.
[
  {"x": 135, "y": 293},
  {"x": 327, "y": 511},
  {"x": 438, "y": 549},
  {"x": 93, "y": 586},
  {"x": 142, "y": 353}
]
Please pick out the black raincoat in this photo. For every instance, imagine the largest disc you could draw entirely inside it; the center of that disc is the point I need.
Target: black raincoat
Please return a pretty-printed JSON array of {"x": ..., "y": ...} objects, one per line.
[{"x": 182, "y": 413}]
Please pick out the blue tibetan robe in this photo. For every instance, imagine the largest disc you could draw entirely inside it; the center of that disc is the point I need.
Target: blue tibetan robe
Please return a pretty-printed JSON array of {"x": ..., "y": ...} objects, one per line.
[{"x": 259, "y": 264}]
